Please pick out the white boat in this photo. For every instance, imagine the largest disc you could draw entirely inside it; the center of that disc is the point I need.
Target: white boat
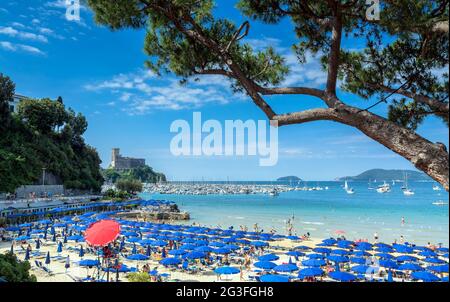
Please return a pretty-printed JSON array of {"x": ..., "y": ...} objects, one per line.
[
  {"x": 440, "y": 203},
  {"x": 384, "y": 188},
  {"x": 407, "y": 191},
  {"x": 436, "y": 188}
]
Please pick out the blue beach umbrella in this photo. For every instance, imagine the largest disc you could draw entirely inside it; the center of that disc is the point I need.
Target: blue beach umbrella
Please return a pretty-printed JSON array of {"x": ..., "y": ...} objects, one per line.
[
  {"x": 316, "y": 256},
  {"x": 133, "y": 239},
  {"x": 38, "y": 244},
  {"x": 274, "y": 278},
  {"x": 340, "y": 252},
  {"x": 434, "y": 260},
  {"x": 310, "y": 272},
  {"x": 302, "y": 248},
  {"x": 424, "y": 276},
  {"x": 188, "y": 247},
  {"x": 388, "y": 264},
  {"x": 338, "y": 259},
  {"x": 204, "y": 249},
  {"x": 406, "y": 258},
  {"x": 54, "y": 237},
  {"x": 438, "y": 268},
  {"x": 226, "y": 270},
  {"x": 22, "y": 238},
  {"x": 361, "y": 254},
  {"x": 27, "y": 255},
  {"x": 137, "y": 257},
  {"x": 177, "y": 252},
  {"x": 295, "y": 254},
  {"x": 364, "y": 269},
  {"x": 60, "y": 247},
  {"x": 195, "y": 255},
  {"x": 384, "y": 255},
  {"x": 47, "y": 259},
  {"x": 259, "y": 243},
  {"x": 342, "y": 276},
  {"x": 89, "y": 262},
  {"x": 410, "y": 267},
  {"x": 216, "y": 244},
  {"x": 390, "y": 277},
  {"x": 384, "y": 249},
  {"x": 322, "y": 250},
  {"x": 81, "y": 253},
  {"x": 285, "y": 268},
  {"x": 170, "y": 261},
  {"x": 329, "y": 241},
  {"x": 267, "y": 265},
  {"x": 345, "y": 244},
  {"x": 65, "y": 239},
  {"x": 222, "y": 250},
  {"x": 268, "y": 257},
  {"x": 401, "y": 248},
  {"x": 314, "y": 262},
  {"x": 428, "y": 253},
  {"x": 148, "y": 252}
]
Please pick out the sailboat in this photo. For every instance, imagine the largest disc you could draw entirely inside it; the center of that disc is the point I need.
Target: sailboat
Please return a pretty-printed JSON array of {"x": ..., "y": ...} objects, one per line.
[
  {"x": 370, "y": 185},
  {"x": 348, "y": 189},
  {"x": 406, "y": 190}
]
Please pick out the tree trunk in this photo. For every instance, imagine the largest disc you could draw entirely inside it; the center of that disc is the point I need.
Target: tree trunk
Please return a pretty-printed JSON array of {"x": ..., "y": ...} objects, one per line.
[{"x": 431, "y": 158}]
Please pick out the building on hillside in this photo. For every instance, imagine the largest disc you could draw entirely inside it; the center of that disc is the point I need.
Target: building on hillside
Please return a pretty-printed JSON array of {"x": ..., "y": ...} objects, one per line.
[
  {"x": 119, "y": 162},
  {"x": 15, "y": 102}
]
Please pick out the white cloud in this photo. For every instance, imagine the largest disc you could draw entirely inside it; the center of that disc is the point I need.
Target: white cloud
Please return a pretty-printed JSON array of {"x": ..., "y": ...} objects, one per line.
[
  {"x": 142, "y": 92},
  {"x": 20, "y": 47},
  {"x": 12, "y": 32}
]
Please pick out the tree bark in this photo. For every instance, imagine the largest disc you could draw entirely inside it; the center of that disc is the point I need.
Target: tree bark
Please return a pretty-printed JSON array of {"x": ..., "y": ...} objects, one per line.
[{"x": 431, "y": 158}]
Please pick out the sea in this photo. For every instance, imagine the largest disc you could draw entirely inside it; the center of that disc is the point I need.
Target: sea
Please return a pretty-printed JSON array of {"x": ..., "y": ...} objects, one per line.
[{"x": 322, "y": 213}]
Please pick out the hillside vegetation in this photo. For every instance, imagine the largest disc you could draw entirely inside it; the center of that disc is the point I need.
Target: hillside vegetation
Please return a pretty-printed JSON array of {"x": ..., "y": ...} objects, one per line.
[{"x": 44, "y": 134}]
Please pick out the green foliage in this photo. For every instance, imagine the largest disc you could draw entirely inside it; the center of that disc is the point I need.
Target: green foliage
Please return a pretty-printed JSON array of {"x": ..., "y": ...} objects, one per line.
[
  {"x": 7, "y": 88},
  {"x": 132, "y": 186},
  {"x": 13, "y": 270},
  {"x": 42, "y": 115},
  {"x": 116, "y": 195},
  {"x": 144, "y": 174},
  {"x": 45, "y": 135},
  {"x": 139, "y": 277}
]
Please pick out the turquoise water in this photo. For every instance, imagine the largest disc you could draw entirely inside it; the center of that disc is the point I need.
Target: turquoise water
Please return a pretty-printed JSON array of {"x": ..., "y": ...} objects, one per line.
[{"x": 322, "y": 212}]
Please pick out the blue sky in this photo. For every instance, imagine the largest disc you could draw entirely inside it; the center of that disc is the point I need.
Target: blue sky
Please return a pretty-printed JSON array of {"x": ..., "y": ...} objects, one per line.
[{"x": 101, "y": 74}]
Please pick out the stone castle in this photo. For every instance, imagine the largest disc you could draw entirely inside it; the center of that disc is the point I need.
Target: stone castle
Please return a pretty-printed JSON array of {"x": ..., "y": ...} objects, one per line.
[{"x": 119, "y": 162}]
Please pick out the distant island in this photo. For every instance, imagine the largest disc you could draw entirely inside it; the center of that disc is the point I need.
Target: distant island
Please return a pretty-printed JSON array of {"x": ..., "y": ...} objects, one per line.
[
  {"x": 289, "y": 178},
  {"x": 381, "y": 174}
]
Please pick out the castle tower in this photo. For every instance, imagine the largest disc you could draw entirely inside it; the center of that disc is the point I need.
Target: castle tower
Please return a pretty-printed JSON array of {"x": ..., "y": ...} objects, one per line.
[{"x": 114, "y": 156}]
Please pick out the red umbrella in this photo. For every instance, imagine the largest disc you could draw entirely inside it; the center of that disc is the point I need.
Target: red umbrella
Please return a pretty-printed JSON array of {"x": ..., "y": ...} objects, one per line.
[{"x": 102, "y": 232}]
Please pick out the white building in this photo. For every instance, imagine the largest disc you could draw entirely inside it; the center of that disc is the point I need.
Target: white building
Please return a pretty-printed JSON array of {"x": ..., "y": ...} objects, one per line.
[{"x": 15, "y": 102}]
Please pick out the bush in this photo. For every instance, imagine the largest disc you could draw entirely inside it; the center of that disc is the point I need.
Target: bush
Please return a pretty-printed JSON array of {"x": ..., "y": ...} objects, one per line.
[
  {"x": 132, "y": 186},
  {"x": 139, "y": 277},
  {"x": 13, "y": 270}
]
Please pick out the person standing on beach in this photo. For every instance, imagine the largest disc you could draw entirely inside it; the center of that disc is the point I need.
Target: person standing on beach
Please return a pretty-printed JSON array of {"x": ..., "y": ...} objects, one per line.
[
  {"x": 241, "y": 275},
  {"x": 375, "y": 237},
  {"x": 403, "y": 221}
]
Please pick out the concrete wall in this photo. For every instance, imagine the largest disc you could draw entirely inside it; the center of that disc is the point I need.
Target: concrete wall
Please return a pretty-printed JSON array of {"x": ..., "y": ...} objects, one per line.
[{"x": 24, "y": 191}]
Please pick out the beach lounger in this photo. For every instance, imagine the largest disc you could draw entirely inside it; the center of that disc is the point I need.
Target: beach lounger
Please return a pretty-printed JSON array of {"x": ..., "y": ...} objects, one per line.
[{"x": 75, "y": 279}]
